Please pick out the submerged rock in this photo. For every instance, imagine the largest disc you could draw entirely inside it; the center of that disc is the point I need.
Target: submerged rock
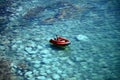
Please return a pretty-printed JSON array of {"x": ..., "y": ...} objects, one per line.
[
  {"x": 28, "y": 74},
  {"x": 81, "y": 37},
  {"x": 53, "y": 12},
  {"x": 46, "y": 61},
  {"x": 31, "y": 50},
  {"x": 32, "y": 13},
  {"x": 36, "y": 65},
  {"x": 41, "y": 78},
  {"x": 48, "y": 71},
  {"x": 49, "y": 78},
  {"x": 45, "y": 51},
  {"x": 56, "y": 76},
  {"x": 70, "y": 62},
  {"x": 39, "y": 47},
  {"x": 2, "y": 47}
]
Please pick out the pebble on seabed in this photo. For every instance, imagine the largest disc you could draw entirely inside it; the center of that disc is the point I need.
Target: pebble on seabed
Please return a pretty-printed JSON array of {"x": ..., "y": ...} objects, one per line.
[
  {"x": 41, "y": 78},
  {"x": 48, "y": 71},
  {"x": 36, "y": 65},
  {"x": 28, "y": 74},
  {"x": 45, "y": 51},
  {"x": 45, "y": 60},
  {"x": 55, "y": 76},
  {"x": 30, "y": 50},
  {"x": 48, "y": 79}
]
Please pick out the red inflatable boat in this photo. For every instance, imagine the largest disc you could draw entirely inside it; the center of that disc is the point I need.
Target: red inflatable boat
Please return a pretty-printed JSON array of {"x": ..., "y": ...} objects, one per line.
[{"x": 59, "y": 41}]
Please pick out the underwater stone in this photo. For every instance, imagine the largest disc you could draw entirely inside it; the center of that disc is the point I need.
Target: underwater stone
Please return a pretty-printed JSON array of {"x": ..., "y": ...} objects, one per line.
[
  {"x": 33, "y": 56},
  {"x": 70, "y": 62},
  {"x": 64, "y": 75},
  {"x": 32, "y": 44},
  {"x": 28, "y": 59},
  {"x": 56, "y": 76},
  {"x": 47, "y": 55},
  {"x": 41, "y": 78},
  {"x": 21, "y": 47},
  {"x": 39, "y": 47},
  {"x": 28, "y": 74},
  {"x": 2, "y": 47},
  {"x": 28, "y": 49},
  {"x": 36, "y": 65},
  {"x": 35, "y": 72},
  {"x": 37, "y": 39},
  {"x": 64, "y": 58},
  {"x": 36, "y": 62},
  {"x": 20, "y": 8},
  {"x": 72, "y": 78},
  {"x": 45, "y": 60},
  {"x": 55, "y": 69},
  {"x": 79, "y": 59},
  {"x": 82, "y": 37},
  {"x": 59, "y": 71},
  {"x": 19, "y": 72},
  {"x": 32, "y": 13},
  {"x": 43, "y": 72},
  {"x": 31, "y": 50},
  {"x": 45, "y": 51},
  {"x": 32, "y": 78},
  {"x": 14, "y": 47},
  {"x": 48, "y": 71},
  {"x": 84, "y": 65},
  {"x": 49, "y": 79},
  {"x": 47, "y": 66}
]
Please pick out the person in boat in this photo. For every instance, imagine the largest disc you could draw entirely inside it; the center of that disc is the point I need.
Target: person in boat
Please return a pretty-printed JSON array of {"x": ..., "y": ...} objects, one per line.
[{"x": 58, "y": 38}]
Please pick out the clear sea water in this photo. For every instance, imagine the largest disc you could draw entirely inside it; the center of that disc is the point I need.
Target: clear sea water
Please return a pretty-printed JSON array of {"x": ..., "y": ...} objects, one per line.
[{"x": 92, "y": 26}]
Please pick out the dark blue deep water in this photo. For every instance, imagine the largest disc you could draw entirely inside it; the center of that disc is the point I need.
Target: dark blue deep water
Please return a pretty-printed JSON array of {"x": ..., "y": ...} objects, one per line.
[{"x": 92, "y": 27}]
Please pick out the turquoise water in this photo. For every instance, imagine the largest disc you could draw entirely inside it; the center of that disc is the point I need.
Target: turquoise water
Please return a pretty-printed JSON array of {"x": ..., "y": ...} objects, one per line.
[{"x": 92, "y": 26}]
